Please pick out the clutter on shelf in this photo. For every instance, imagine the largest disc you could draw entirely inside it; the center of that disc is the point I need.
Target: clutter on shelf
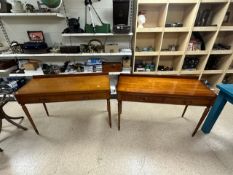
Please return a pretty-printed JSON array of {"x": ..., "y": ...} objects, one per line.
[
  {"x": 164, "y": 68},
  {"x": 190, "y": 62},
  {"x": 145, "y": 66}
]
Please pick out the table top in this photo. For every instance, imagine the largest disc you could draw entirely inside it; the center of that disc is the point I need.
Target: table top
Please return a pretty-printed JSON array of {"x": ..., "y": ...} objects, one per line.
[
  {"x": 226, "y": 88},
  {"x": 66, "y": 84},
  {"x": 162, "y": 85}
]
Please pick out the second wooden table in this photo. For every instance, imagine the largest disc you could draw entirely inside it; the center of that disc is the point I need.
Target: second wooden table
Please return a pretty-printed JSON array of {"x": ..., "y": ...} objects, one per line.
[{"x": 168, "y": 90}]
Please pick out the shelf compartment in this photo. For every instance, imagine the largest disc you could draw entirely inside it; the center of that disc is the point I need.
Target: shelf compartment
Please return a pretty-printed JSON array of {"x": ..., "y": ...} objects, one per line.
[
  {"x": 181, "y": 13},
  {"x": 228, "y": 78},
  {"x": 177, "y": 39},
  {"x": 146, "y": 53},
  {"x": 228, "y": 18},
  {"x": 217, "y": 63},
  {"x": 173, "y": 62},
  {"x": 199, "y": 65},
  {"x": 206, "y": 40},
  {"x": 146, "y": 40},
  {"x": 145, "y": 64},
  {"x": 211, "y": 13},
  {"x": 212, "y": 80},
  {"x": 155, "y": 14},
  {"x": 224, "y": 39}
]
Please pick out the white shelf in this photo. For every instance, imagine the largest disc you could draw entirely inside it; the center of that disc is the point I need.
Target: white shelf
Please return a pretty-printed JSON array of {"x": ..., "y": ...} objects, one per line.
[
  {"x": 205, "y": 29},
  {"x": 176, "y": 29},
  {"x": 171, "y": 53},
  {"x": 214, "y": 1},
  {"x": 167, "y": 72},
  {"x": 31, "y": 15},
  {"x": 200, "y": 52},
  {"x": 230, "y": 71},
  {"x": 94, "y": 34},
  {"x": 39, "y": 71},
  {"x": 221, "y": 52},
  {"x": 146, "y": 53},
  {"x": 28, "y": 73},
  {"x": 187, "y": 72},
  {"x": 226, "y": 28},
  {"x": 152, "y": 1},
  {"x": 147, "y": 30},
  {"x": 213, "y": 71},
  {"x": 66, "y": 54}
]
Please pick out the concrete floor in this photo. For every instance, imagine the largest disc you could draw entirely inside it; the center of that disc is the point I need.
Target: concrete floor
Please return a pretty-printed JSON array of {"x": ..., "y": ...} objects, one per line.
[{"x": 154, "y": 139}]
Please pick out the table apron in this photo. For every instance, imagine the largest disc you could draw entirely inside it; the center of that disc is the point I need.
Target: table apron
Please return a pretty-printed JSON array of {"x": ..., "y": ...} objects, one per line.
[
  {"x": 25, "y": 99},
  {"x": 195, "y": 101}
]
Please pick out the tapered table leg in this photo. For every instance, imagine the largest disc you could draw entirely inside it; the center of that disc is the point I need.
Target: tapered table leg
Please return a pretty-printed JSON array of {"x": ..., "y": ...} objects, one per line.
[
  {"x": 109, "y": 112},
  {"x": 30, "y": 118},
  {"x": 119, "y": 114},
  {"x": 184, "y": 110},
  {"x": 45, "y": 107},
  {"x": 201, "y": 120}
]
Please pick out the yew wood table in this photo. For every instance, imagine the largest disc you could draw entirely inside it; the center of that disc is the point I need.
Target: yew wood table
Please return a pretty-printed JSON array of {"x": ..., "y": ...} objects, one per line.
[
  {"x": 45, "y": 89},
  {"x": 169, "y": 90}
]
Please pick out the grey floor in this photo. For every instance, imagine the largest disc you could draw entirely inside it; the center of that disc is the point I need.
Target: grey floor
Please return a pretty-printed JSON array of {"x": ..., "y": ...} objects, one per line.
[{"x": 154, "y": 139}]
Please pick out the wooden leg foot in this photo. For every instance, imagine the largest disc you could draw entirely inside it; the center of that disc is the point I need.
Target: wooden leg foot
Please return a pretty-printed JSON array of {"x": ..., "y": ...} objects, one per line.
[
  {"x": 201, "y": 120},
  {"x": 30, "y": 118}
]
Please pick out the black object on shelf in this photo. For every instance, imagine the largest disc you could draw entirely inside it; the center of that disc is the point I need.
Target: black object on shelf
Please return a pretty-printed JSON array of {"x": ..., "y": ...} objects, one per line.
[
  {"x": 204, "y": 18},
  {"x": 120, "y": 16},
  {"x": 73, "y": 26},
  {"x": 198, "y": 36},
  {"x": 190, "y": 62},
  {"x": 212, "y": 63},
  {"x": 35, "y": 47},
  {"x": 165, "y": 68},
  {"x": 5, "y": 7},
  {"x": 70, "y": 49},
  {"x": 176, "y": 24},
  {"x": 220, "y": 46}
]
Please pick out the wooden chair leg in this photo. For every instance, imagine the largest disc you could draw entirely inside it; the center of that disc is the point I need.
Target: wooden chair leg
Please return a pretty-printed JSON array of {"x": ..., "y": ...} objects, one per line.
[
  {"x": 46, "y": 110},
  {"x": 30, "y": 118},
  {"x": 207, "y": 109},
  {"x": 184, "y": 110},
  {"x": 119, "y": 114},
  {"x": 109, "y": 112}
]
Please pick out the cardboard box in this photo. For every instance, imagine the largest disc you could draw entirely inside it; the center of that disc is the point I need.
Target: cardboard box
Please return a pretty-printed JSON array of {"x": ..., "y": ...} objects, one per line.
[{"x": 111, "y": 48}]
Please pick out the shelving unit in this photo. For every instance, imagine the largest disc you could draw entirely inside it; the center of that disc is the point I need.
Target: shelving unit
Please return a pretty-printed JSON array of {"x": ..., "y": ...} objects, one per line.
[{"x": 219, "y": 30}]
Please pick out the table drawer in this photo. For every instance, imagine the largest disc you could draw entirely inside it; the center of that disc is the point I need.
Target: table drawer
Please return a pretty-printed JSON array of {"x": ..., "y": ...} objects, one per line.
[
  {"x": 60, "y": 98},
  {"x": 196, "y": 101}
]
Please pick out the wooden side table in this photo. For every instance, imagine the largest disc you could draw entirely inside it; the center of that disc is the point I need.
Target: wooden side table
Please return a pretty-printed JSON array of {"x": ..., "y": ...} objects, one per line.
[{"x": 164, "y": 89}]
